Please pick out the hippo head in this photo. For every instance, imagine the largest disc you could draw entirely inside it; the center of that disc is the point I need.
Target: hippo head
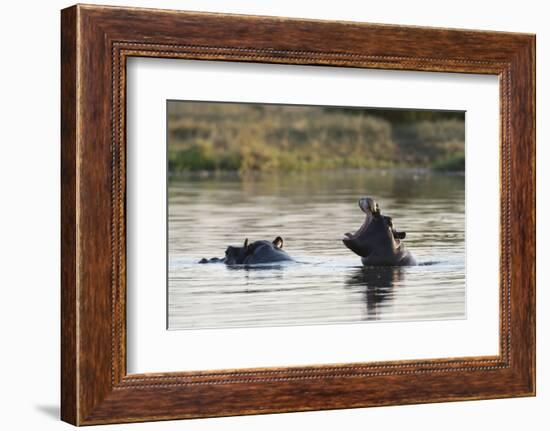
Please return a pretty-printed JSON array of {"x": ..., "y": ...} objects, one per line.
[
  {"x": 376, "y": 235},
  {"x": 239, "y": 255},
  {"x": 236, "y": 255}
]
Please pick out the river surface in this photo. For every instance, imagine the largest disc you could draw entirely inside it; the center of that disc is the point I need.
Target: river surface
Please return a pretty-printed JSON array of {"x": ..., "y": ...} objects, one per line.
[{"x": 326, "y": 284}]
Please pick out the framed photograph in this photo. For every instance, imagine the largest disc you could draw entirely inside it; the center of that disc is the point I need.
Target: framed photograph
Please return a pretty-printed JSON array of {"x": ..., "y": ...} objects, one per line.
[{"x": 263, "y": 214}]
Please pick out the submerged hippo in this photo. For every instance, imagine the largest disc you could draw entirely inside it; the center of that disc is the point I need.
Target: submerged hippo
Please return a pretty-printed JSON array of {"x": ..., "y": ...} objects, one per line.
[
  {"x": 258, "y": 252},
  {"x": 377, "y": 241}
]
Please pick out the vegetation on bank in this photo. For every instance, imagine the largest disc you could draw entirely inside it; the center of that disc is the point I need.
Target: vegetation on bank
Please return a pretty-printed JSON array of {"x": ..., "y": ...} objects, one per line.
[
  {"x": 455, "y": 163},
  {"x": 270, "y": 138}
]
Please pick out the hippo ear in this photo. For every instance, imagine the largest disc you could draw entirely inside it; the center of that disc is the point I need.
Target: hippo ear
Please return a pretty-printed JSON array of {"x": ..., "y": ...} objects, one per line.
[
  {"x": 245, "y": 243},
  {"x": 400, "y": 235},
  {"x": 278, "y": 242}
]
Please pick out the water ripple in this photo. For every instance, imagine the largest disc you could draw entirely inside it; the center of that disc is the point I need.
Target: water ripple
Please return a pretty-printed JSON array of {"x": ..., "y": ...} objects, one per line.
[{"x": 327, "y": 283}]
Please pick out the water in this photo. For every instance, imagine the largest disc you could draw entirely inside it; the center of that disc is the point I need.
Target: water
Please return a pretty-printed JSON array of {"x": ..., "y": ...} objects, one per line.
[{"x": 311, "y": 212}]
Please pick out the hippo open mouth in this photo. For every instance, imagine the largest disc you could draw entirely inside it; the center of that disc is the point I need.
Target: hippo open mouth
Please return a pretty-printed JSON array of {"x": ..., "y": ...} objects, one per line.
[
  {"x": 371, "y": 209},
  {"x": 376, "y": 240}
]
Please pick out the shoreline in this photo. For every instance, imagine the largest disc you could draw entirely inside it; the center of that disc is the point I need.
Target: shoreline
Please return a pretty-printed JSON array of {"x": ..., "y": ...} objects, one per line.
[{"x": 213, "y": 174}]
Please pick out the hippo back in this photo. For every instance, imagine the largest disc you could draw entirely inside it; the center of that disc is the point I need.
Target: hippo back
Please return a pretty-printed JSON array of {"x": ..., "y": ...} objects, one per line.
[{"x": 262, "y": 252}]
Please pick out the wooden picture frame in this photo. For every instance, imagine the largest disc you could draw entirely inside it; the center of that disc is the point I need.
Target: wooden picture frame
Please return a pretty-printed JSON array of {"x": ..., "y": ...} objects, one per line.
[{"x": 95, "y": 43}]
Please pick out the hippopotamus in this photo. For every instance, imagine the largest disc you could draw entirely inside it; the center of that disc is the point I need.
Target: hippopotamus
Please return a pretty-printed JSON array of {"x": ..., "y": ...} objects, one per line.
[
  {"x": 377, "y": 241},
  {"x": 258, "y": 252}
]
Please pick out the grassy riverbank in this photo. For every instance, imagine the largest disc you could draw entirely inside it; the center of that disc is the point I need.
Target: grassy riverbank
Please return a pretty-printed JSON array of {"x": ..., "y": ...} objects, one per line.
[{"x": 271, "y": 138}]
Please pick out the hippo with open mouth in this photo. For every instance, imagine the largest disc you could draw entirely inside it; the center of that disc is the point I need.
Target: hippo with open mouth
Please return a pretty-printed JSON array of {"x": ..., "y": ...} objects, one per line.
[
  {"x": 258, "y": 252},
  {"x": 377, "y": 241}
]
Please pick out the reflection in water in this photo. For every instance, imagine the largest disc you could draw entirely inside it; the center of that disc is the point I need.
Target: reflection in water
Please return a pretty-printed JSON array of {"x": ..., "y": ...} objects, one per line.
[
  {"x": 258, "y": 274},
  {"x": 326, "y": 284},
  {"x": 376, "y": 284}
]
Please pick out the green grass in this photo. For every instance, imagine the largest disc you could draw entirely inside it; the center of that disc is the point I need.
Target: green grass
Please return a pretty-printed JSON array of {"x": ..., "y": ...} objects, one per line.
[{"x": 272, "y": 138}]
